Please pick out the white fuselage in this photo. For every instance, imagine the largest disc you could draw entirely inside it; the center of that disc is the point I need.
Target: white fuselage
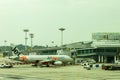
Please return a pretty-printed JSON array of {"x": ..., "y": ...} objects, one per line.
[{"x": 33, "y": 58}]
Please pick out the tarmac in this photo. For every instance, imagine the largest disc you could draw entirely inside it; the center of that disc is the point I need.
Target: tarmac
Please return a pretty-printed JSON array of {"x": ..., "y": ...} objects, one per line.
[{"x": 70, "y": 72}]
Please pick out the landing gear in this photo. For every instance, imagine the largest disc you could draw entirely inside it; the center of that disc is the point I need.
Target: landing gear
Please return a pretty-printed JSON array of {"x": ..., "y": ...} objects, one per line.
[
  {"x": 48, "y": 65},
  {"x": 37, "y": 63},
  {"x": 64, "y": 64}
]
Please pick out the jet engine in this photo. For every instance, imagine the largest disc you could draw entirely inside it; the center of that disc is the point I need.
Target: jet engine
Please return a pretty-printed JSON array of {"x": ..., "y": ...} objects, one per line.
[{"x": 57, "y": 63}]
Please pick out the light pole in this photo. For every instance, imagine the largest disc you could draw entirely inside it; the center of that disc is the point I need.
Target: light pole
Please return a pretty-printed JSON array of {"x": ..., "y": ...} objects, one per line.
[
  {"x": 26, "y": 30},
  {"x": 31, "y": 36},
  {"x": 61, "y": 29}
]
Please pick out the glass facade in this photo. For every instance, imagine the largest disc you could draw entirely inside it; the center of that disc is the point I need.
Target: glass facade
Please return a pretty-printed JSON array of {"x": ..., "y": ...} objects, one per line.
[
  {"x": 106, "y": 36},
  {"x": 98, "y": 51},
  {"x": 85, "y": 51}
]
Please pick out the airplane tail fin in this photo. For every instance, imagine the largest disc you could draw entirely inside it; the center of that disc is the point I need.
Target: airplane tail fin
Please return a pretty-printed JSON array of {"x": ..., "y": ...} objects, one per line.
[{"x": 15, "y": 51}]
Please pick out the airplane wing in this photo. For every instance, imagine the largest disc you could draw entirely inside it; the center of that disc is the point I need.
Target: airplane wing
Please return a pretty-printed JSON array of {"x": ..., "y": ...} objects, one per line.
[{"x": 52, "y": 61}]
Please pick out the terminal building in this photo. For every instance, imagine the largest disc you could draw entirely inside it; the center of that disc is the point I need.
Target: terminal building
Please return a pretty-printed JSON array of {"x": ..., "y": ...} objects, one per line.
[
  {"x": 104, "y": 48},
  {"x": 107, "y": 46}
]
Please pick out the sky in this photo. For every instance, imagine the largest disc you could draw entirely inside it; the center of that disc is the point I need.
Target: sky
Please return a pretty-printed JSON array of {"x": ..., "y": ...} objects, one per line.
[{"x": 43, "y": 18}]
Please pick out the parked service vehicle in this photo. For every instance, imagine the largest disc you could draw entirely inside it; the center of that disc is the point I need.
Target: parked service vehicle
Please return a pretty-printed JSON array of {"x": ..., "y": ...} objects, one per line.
[{"x": 6, "y": 65}]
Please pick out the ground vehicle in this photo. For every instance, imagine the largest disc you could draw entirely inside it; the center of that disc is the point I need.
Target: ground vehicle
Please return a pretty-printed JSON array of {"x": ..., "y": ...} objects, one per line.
[{"x": 6, "y": 66}]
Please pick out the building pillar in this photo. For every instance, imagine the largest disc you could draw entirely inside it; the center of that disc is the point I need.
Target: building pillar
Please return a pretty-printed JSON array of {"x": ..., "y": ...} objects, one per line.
[
  {"x": 99, "y": 58},
  {"x": 105, "y": 59},
  {"x": 115, "y": 59},
  {"x": 118, "y": 58}
]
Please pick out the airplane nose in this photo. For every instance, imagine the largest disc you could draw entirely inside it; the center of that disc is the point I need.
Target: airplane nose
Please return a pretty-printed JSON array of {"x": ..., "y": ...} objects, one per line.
[{"x": 70, "y": 59}]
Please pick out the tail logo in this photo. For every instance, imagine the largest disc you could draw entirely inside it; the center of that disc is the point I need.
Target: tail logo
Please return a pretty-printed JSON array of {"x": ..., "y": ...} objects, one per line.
[{"x": 15, "y": 50}]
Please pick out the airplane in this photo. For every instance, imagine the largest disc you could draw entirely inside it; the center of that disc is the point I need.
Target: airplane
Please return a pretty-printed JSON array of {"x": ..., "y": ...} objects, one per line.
[{"x": 40, "y": 60}]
